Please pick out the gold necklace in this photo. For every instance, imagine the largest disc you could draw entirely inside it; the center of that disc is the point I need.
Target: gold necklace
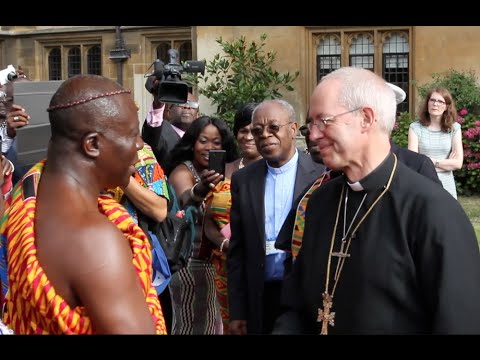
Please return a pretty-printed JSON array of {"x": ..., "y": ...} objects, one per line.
[{"x": 325, "y": 315}]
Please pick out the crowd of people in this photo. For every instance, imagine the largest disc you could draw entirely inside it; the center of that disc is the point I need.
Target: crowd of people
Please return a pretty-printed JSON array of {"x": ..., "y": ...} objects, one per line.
[{"x": 355, "y": 235}]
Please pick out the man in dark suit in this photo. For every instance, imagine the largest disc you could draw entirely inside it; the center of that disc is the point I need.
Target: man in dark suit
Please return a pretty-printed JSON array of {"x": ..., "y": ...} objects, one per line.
[
  {"x": 162, "y": 135},
  {"x": 262, "y": 195}
]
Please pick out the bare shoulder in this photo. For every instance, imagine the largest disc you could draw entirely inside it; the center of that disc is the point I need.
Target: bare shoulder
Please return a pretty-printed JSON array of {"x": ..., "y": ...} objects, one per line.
[
  {"x": 181, "y": 178},
  {"x": 75, "y": 248},
  {"x": 179, "y": 172},
  {"x": 99, "y": 241}
]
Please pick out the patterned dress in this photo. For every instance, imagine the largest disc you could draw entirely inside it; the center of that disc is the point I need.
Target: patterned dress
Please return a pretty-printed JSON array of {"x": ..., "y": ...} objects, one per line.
[
  {"x": 195, "y": 307},
  {"x": 150, "y": 175},
  {"x": 437, "y": 145},
  {"x": 220, "y": 202},
  {"x": 33, "y": 306}
]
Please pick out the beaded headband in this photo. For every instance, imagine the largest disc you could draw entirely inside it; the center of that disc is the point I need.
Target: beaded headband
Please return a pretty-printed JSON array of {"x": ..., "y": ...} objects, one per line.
[{"x": 78, "y": 102}]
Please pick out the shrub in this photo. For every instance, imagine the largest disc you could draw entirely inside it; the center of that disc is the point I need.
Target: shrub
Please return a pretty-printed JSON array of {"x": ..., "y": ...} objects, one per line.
[
  {"x": 400, "y": 130},
  {"x": 243, "y": 73},
  {"x": 468, "y": 177},
  {"x": 462, "y": 85}
]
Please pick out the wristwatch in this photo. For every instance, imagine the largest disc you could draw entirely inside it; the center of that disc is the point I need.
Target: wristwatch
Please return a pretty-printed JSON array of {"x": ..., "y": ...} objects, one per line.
[{"x": 437, "y": 164}]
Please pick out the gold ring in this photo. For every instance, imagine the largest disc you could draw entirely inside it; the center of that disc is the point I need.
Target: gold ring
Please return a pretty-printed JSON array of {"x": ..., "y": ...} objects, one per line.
[
  {"x": 211, "y": 186},
  {"x": 15, "y": 118}
]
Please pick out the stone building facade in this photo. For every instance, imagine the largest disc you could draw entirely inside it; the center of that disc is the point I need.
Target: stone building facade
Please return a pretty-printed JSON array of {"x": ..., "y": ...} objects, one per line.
[{"x": 404, "y": 55}]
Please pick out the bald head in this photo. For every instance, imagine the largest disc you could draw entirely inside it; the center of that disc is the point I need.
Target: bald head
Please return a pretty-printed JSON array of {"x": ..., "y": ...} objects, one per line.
[{"x": 86, "y": 103}]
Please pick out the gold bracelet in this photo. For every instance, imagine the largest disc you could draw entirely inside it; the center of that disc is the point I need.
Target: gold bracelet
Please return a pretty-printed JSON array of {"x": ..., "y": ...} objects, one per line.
[
  {"x": 223, "y": 243},
  {"x": 194, "y": 196}
]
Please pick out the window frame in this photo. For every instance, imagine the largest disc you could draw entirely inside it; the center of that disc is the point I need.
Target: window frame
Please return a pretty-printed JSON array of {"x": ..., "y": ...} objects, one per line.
[
  {"x": 314, "y": 36},
  {"x": 84, "y": 43}
]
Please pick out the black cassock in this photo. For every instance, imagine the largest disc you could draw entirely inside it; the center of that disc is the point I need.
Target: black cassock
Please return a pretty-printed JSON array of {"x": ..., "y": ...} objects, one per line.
[{"x": 413, "y": 265}]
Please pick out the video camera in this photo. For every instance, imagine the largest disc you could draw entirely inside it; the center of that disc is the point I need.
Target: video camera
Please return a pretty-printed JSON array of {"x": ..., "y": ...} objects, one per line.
[
  {"x": 171, "y": 88},
  {"x": 7, "y": 75}
]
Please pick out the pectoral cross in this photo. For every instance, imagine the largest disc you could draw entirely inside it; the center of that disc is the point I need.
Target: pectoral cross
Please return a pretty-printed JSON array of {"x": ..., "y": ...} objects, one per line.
[
  {"x": 324, "y": 315},
  {"x": 341, "y": 254},
  {"x": 341, "y": 257}
]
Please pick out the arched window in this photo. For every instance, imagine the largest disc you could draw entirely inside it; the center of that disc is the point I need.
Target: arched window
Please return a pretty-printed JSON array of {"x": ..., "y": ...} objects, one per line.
[
  {"x": 74, "y": 61},
  {"x": 395, "y": 63},
  {"x": 94, "y": 60},
  {"x": 55, "y": 64},
  {"x": 361, "y": 51},
  {"x": 328, "y": 55}
]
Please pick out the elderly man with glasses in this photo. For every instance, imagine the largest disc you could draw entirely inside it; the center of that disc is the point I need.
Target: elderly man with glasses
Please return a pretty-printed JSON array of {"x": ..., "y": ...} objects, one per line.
[
  {"x": 385, "y": 250},
  {"x": 262, "y": 195},
  {"x": 291, "y": 234}
]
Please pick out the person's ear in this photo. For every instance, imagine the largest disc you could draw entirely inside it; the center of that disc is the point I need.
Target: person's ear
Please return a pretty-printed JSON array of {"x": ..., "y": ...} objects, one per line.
[
  {"x": 294, "y": 128},
  {"x": 368, "y": 118},
  {"x": 91, "y": 144}
]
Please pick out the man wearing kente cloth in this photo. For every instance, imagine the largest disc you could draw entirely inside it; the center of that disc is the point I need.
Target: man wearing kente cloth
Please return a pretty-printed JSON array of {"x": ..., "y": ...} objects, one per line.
[
  {"x": 77, "y": 263},
  {"x": 391, "y": 253}
]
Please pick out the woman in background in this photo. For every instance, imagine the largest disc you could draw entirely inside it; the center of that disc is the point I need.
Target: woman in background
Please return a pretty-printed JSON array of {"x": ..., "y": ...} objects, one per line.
[{"x": 438, "y": 135}]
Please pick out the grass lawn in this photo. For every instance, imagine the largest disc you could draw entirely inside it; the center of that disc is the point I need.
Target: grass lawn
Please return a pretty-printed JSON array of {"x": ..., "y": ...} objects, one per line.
[{"x": 471, "y": 205}]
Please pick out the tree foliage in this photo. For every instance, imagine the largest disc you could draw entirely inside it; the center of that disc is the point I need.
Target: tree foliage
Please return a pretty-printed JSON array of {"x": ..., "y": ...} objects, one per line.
[{"x": 242, "y": 73}]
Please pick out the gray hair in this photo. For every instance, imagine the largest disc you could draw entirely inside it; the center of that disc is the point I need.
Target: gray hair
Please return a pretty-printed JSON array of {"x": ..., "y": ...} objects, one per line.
[
  {"x": 285, "y": 104},
  {"x": 360, "y": 87}
]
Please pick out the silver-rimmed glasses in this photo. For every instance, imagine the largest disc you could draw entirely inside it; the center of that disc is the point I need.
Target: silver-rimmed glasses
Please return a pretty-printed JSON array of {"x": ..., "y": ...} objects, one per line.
[{"x": 323, "y": 122}]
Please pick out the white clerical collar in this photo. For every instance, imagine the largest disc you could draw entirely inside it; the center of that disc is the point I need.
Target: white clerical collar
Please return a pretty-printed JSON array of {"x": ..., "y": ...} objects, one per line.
[{"x": 356, "y": 186}]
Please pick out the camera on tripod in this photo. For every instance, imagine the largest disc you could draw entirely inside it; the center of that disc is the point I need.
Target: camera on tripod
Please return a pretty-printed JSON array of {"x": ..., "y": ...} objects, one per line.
[
  {"x": 171, "y": 88},
  {"x": 7, "y": 75}
]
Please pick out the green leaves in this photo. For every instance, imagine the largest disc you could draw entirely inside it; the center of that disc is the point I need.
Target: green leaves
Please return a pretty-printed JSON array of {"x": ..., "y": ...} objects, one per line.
[
  {"x": 462, "y": 85},
  {"x": 243, "y": 73},
  {"x": 400, "y": 131}
]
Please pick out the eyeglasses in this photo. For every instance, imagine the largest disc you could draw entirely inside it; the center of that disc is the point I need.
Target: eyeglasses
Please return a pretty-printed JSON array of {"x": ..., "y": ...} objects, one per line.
[
  {"x": 190, "y": 104},
  {"x": 325, "y": 121},
  {"x": 440, "y": 102},
  {"x": 271, "y": 128},
  {"x": 304, "y": 131}
]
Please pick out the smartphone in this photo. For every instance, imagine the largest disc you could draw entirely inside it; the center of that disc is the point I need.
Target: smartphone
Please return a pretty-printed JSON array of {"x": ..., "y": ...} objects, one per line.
[{"x": 217, "y": 160}]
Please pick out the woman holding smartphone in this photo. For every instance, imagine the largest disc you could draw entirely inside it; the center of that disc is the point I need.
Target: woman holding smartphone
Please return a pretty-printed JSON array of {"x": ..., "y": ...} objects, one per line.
[{"x": 192, "y": 288}]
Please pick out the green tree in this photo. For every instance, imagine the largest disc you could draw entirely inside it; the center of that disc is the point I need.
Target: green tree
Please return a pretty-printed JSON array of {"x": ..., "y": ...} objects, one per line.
[{"x": 243, "y": 73}]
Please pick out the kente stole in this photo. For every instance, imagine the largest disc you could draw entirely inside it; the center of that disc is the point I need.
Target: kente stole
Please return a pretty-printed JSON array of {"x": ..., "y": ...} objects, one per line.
[
  {"x": 221, "y": 202},
  {"x": 33, "y": 306},
  {"x": 299, "y": 227}
]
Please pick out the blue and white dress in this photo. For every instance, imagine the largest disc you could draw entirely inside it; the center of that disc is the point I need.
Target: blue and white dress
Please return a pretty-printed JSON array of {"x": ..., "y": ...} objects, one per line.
[{"x": 437, "y": 145}]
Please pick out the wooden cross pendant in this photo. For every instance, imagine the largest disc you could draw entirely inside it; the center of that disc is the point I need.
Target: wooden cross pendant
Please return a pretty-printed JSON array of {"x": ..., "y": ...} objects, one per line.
[{"x": 324, "y": 315}]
